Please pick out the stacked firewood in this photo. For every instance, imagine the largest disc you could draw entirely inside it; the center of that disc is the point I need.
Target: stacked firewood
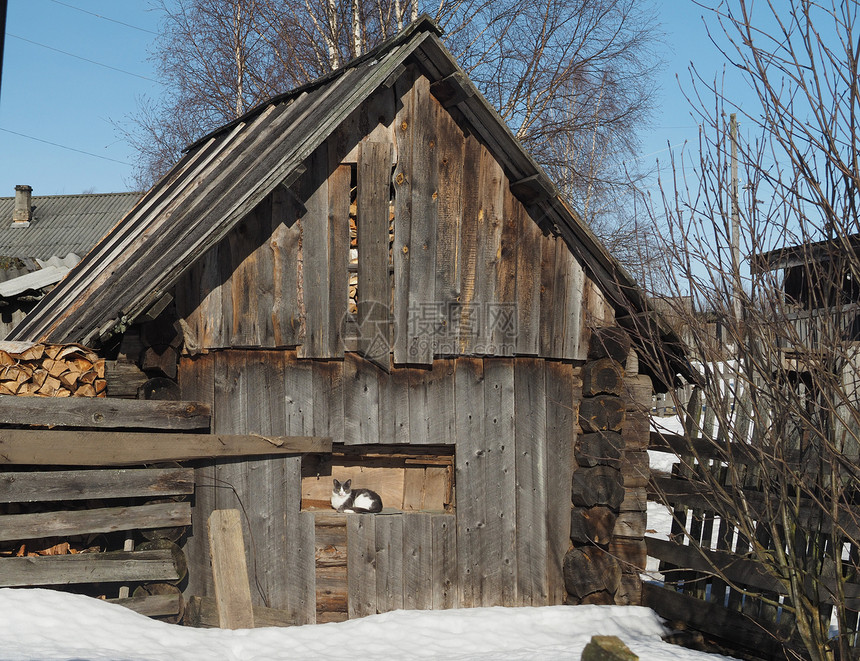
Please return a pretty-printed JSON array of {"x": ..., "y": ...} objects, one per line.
[{"x": 46, "y": 370}]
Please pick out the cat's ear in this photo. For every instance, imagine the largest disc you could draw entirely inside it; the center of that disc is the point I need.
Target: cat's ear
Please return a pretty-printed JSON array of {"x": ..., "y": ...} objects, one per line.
[
  {"x": 336, "y": 484},
  {"x": 347, "y": 484}
]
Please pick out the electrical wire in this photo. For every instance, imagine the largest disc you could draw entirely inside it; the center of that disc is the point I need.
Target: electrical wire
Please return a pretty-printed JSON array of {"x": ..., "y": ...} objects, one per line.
[
  {"x": 56, "y": 144},
  {"x": 57, "y": 50},
  {"x": 106, "y": 18}
]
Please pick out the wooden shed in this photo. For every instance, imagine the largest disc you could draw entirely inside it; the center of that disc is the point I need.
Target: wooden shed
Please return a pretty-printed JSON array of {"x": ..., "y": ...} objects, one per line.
[{"x": 373, "y": 258}]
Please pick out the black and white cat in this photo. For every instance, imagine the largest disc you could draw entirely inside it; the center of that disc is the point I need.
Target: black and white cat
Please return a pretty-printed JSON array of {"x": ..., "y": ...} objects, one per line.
[{"x": 355, "y": 501}]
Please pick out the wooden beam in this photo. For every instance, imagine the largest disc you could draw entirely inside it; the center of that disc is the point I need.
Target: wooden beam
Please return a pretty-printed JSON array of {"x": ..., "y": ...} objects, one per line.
[
  {"x": 87, "y": 448},
  {"x": 153, "y": 605},
  {"x": 230, "y": 571},
  {"x": 33, "y": 487},
  {"x": 203, "y": 612},
  {"x": 113, "y": 567},
  {"x": 103, "y": 412},
  {"x": 452, "y": 89},
  {"x": 17, "y": 527}
]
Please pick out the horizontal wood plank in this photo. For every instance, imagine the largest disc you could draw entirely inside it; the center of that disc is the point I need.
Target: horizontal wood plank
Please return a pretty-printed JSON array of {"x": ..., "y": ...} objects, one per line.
[
  {"x": 152, "y": 605},
  {"x": 113, "y": 567},
  {"x": 44, "y": 486},
  {"x": 203, "y": 612},
  {"x": 103, "y": 413},
  {"x": 105, "y": 448},
  {"x": 17, "y": 527}
]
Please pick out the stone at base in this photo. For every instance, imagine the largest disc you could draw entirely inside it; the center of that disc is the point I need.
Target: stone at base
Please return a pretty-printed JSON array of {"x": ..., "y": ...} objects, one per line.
[{"x": 607, "y": 648}]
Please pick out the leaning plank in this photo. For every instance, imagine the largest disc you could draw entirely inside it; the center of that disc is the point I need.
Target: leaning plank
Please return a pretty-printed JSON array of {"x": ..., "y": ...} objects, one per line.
[
  {"x": 113, "y": 567},
  {"x": 88, "y": 448},
  {"x": 104, "y": 413},
  {"x": 85, "y": 484},
  {"x": 203, "y": 612},
  {"x": 152, "y": 605},
  {"x": 16, "y": 527},
  {"x": 716, "y": 620},
  {"x": 229, "y": 570}
]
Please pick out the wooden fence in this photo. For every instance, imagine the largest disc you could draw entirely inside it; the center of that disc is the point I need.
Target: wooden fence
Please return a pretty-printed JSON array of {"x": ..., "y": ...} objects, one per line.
[{"x": 711, "y": 581}]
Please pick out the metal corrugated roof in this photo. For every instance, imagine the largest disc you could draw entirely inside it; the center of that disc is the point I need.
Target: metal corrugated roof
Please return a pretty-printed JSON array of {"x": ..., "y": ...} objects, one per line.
[{"x": 62, "y": 224}]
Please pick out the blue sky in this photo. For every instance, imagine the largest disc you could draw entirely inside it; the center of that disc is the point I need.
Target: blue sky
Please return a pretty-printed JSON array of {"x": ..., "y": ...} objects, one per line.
[{"x": 75, "y": 97}]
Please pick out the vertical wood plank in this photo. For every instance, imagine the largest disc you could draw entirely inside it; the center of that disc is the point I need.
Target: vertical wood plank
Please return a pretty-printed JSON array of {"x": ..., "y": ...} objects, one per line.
[
  {"x": 287, "y": 317},
  {"x": 547, "y": 296},
  {"x": 445, "y": 588},
  {"x": 403, "y": 207},
  {"x": 417, "y": 561},
  {"x": 197, "y": 383},
  {"x": 299, "y": 556},
  {"x": 361, "y": 564},
  {"x": 528, "y": 284},
  {"x": 316, "y": 248},
  {"x": 374, "y": 184},
  {"x": 562, "y": 283},
  {"x": 423, "y": 312},
  {"x": 450, "y": 147},
  {"x": 360, "y": 400},
  {"x": 400, "y": 396},
  {"x": 469, "y": 470},
  {"x": 500, "y": 488},
  {"x": 389, "y": 562},
  {"x": 560, "y": 437},
  {"x": 230, "y": 574},
  {"x": 339, "y": 184},
  {"x": 265, "y": 268},
  {"x": 328, "y": 394},
  {"x": 469, "y": 308},
  {"x": 245, "y": 280},
  {"x": 569, "y": 321},
  {"x": 440, "y": 407},
  {"x": 299, "y": 400},
  {"x": 530, "y": 430},
  {"x": 503, "y": 313},
  {"x": 492, "y": 186}
]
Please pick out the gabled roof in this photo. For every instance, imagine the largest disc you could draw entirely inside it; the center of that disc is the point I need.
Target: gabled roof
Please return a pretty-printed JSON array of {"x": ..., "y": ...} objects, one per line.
[
  {"x": 226, "y": 174},
  {"x": 62, "y": 224}
]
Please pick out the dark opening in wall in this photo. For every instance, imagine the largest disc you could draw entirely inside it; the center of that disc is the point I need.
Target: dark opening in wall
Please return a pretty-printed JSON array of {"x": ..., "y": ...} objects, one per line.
[{"x": 408, "y": 478}]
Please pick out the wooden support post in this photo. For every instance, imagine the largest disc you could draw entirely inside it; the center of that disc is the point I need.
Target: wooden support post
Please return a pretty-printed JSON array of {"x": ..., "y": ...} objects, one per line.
[{"x": 229, "y": 570}]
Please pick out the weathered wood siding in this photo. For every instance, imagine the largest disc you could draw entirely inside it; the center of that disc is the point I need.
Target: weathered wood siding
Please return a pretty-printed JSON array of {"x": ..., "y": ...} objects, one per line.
[
  {"x": 511, "y": 422},
  {"x": 470, "y": 271}
]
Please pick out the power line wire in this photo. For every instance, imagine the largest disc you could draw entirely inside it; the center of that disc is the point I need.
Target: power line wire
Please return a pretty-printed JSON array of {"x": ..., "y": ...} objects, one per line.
[
  {"x": 106, "y": 66},
  {"x": 106, "y": 18},
  {"x": 56, "y": 144}
]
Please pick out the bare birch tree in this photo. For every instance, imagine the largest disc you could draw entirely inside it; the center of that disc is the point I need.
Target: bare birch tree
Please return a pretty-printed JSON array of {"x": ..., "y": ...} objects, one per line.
[{"x": 779, "y": 446}]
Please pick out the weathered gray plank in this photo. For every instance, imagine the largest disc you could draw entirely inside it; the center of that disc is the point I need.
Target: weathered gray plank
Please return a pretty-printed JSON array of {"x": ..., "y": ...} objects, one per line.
[
  {"x": 328, "y": 392},
  {"x": 197, "y": 381},
  {"x": 316, "y": 256},
  {"x": 389, "y": 562},
  {"x": 103, "y": 413},
  {"x": 16, "y": 527},
  {"x": 469, "y": 470},
  {"x": 574, "y": 276},
  {"x": 112, "y": 567},
  {"x": 46, "y": 486},
  {"x": 403, "y": 209},
  {"x": 423, "y": 312},
  {"x": 374, "y": 288},
  {"x": 500, "y": 488},
  {"x": 503, "y": 315},
  {"x": 152, "y": 605},
  {"x": 298, "y": 388},
  {"x": 530, "y": 431},
  {"x": 439, "y": 405},
  {"x": 468, "y": 314},
  {"x": 491, "y": 188},
  {"x": 361, "y": 564},
  {"x": 548, "y": 286},
  {"x": 450, "y": 149},
  {"x": 90, "y": 448},
  {"x": 339, "y": 183},
  {"x": 417, "y": 561},
  {"x": 528, "y": 284},
  {"x": 560, "y": 437},
  {"x": 360, "y": 400},
  {"x": 229, "y": 570},
  {"x": 444, "y": 558},
  {"x": 287, "y": 317},
  {"x": 248, "y": 277}
]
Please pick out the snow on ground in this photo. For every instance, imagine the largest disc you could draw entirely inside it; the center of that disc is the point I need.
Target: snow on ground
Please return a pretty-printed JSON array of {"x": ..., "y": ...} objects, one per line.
[{"x": 52, "y": 626}]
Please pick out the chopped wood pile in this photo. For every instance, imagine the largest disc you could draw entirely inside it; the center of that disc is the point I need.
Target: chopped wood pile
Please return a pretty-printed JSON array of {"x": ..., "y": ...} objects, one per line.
[{"x": 51, "y": 370}]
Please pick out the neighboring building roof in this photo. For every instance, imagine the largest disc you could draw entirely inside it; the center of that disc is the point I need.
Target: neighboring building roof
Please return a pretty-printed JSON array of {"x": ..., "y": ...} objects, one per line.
[
  {"x": 228, "y": 173},
  {"x": 62, "y": 224}
]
